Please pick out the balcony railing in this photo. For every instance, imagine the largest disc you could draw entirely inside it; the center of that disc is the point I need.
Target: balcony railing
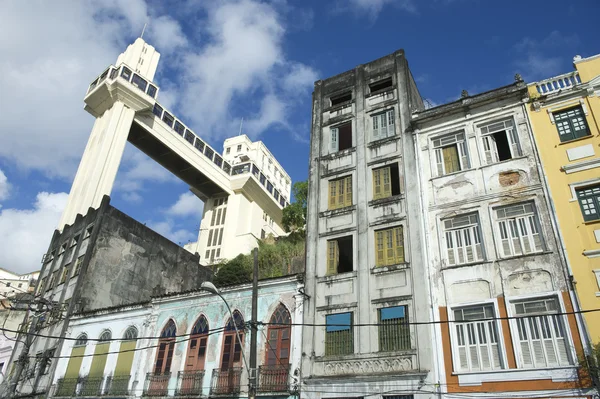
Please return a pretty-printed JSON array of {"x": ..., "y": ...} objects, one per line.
[
  {"x": 117, "y": 385},
  {"x": 91, "y": 386},
  {"x": 189, "y": 383},
  {"x": 66, "y": 387},
  {"x": 557, "y": 83},
  {"x": 273, "y": 378},
  {"x": 226, "y": 382},
  {"x": 157, "y": 384}
]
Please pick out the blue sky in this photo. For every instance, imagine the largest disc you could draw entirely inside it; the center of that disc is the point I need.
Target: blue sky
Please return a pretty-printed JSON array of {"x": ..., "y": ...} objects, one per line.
[{"x": 228, "y": 59}]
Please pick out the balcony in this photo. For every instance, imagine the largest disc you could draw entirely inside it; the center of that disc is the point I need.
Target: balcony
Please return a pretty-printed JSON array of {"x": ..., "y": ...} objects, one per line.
[
  {"x": 226, "y": 382},
  {"x": 558, "y": 83},
  {"x": 117, "y": 385},
  {"x": 273, "y": 378},
  {"x": 189, "y": 383},
  {"x": 66, "y": 387},
  {"x": 91, "y": 386},
  {"x": 157, "y": 384}
]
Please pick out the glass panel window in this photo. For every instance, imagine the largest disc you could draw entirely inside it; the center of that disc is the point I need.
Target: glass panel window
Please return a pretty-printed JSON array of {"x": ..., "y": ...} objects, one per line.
[
  {"x": 394, "y": 330},
  {"x": 463, "y": 239},
  {"x": 571, "y": 124},
  {"x": 340, "y": 193},
  {"x": 139, "y": 82},
  {"x": 339, "y": 338},
  {"x": 500, "y": 141},
  {"x": 589, "y": 201},
  {"x": 475, "y": 341},
  {"x": 389, "y": 246},
  {"x": 451, "y": 153},
  {"x": 541, "y": 333},
  {"x": 157, "y": 110},
  {"x": 383, "y": 125},
  {"x": 518, "y": 227}
]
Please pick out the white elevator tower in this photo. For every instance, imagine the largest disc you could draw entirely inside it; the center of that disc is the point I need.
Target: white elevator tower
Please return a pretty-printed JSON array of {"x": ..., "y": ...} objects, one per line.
[{"x": 244, "y": 191}]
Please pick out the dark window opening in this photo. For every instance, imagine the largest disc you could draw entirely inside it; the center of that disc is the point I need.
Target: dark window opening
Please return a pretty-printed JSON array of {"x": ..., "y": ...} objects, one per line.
[
  {"x": 342, "y": 98},
  {"x": 339, "y": 255},
  {"x": 179, "y": 128},
  {"x": 381, "y": 85},
  {"x": 189, "y": 136},
  {"x": 218, "y": 160},
  {"x": 502, "y": 145},
  {"x": 209, "y": 152},
  {"x": 395, "y": 177},
  {"x": 157, "y": 110},
  {"x": 226, "y": 167},
  {"x": 345, "y": 139},
  {"x": 199, "y": 144},
  {"x": 168, "y": 119},
  {"x": 152, "y": 91}
]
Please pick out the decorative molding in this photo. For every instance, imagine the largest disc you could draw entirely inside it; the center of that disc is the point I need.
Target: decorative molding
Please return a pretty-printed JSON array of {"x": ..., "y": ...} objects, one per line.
[
  {"x": 594, "y": 253},
  {"x": 369, "y": 366},
  {"x": 583, "y": 165}
]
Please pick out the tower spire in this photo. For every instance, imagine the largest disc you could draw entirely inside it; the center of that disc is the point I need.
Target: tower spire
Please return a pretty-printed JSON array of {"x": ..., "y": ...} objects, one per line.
[{"x": 143, "y": 30}]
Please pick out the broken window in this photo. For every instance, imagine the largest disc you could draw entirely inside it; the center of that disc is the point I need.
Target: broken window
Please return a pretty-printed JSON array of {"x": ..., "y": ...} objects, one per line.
[
  {"x": 500, "y": 141},
  {"x": 340, "y": 255},
  {"x": 386, "y": 181},
  {"x": 340, "y": 193},
  {"x": 341, "y": 137},
  {"x": 451, "y": 153},
  {"x": 342, "y": 98},
  {"x": 380, "y": 85},
  {"x": 383, "y": 125}
]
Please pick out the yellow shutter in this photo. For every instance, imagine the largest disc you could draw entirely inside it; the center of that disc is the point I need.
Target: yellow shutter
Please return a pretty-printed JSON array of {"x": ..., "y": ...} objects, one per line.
[
  {"x": 332, "y": 194},
  {"x": 125, "y": 359},
  {"x": 332, "y": 257},
  {"x": 377, "y": 184},
  {"x": 451, "y": 162},
  {"x": 379, "y": 249},
  {"x": 75, "y": 362},
  {"x": 340, "y": 191},
  {"x": 99, "y": 360},
  {"x": 387, "y": 183},
  {"x": 399, "y": 242},
  {"x": 389, "y": 247},
  {"x": 348, "y": 201}
]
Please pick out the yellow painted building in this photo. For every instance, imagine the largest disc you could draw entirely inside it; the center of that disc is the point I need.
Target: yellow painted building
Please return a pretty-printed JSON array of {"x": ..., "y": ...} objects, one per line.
[{"x": 565, "y": 116}]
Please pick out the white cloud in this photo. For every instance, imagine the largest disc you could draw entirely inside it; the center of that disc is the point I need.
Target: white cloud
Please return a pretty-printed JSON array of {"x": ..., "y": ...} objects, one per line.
[
  {"x": 372, "y": 8},
  {"x": 187, "y": 205},
  {"x": 167, "y": 228},
  {"x": 51, "y": 51},
  {"x": 26, "y": 233},
  {"x": 4, "y": 186},
  {"x": 536, "y": 57}
]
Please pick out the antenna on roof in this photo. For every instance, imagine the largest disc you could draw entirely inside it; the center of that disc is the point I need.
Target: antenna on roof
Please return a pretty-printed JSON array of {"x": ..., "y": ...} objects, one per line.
[
  {"x": 241, "y": 123},
  {"x": 143, "y": 30}
]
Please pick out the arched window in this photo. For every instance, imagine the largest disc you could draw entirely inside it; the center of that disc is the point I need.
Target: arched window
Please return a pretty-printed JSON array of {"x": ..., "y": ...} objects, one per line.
[
  {"x": 166, "y": 345},
  {"x": 81, "y": 340},
  {"x": 131, "y": 334},
  {"x": 197, "y": 346},
  {"x": 278, "y": 337},
  {"x": 105, "y": 336},
  {"x": 232, "y": 351}
]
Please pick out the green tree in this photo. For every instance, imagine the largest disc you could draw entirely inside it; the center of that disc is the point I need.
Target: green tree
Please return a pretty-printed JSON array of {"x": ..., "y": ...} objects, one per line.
[
  {"x": 237, "y": 271},
  {"x": 294, "y": 215}
]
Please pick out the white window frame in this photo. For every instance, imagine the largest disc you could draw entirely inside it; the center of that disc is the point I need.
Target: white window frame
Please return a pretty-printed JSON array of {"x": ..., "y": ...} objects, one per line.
[
  {"x": 597, "y": 275},
  {"x": 515, "y": 232},
  {"x": 386, "y": 118},
  {"x": 490, "y": 150},
  {"x": 459, "y": 235},
  {"x": 495, "y": 321},
  {"x": 514, "y": 328},
  {"x": 457, "y": 139}
]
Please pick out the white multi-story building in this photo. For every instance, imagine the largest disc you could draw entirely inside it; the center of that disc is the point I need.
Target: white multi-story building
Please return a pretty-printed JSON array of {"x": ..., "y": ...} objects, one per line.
[
  {"x": 500, "y": 290},
  {"x": 365, "y": 261},
  {"x": 13, "y": 283},
  {"x": 185, "y": 345}
]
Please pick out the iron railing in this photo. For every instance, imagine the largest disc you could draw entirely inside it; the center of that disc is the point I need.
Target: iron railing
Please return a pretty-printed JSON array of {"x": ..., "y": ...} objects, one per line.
[
  {"x": 339, "y": 343},
  {"x": 157, "y": 384},
  {"x": 66, "y": 387},
  {"x": 394, "y": 335},
  {"x": 226, "y": 381},
  {"x": 117, "y": 385},
  {"x": 273, "y": 378},
  {"x": 189, "y": 383},
  {"x": 91, "y": 386}
]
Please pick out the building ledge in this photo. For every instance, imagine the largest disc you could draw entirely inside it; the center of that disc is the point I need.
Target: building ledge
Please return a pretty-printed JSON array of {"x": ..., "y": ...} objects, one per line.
[
  {"x": 337, "y": 212},
  {"x": 338, "y": 154},
  {"x": 337, "y": 277},
  {"x": 524, "y": 255},
  {"x": 368, "y": 364},
  {"x": 593, "y": 253},
  {"x": 557, "y": 374},
  {"x": 589, "y": 136},
  {"x": 583, "y": 165},
  {"x": 385, "y": 201},
  {"x": 390, "y": 268},
  {"x": 383, "y": 141}
]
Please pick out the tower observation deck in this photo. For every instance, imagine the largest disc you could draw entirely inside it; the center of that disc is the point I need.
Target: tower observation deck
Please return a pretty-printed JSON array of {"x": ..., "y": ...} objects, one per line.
[{"x": 243, "y": 195}]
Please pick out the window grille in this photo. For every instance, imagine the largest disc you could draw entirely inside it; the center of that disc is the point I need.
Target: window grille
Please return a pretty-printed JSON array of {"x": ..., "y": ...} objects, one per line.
[
  {"x": 339, "y": 338},
  {"x": 394, "y": 330}
]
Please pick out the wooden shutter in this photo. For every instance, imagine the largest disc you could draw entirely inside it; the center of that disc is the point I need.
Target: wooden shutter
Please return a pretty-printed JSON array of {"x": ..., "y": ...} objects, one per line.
[
  {"x": 514, "y": 232},
  {"x": 377, "y": 184},
  {"x": 489, "y": 147},
  {"x": 75, "y": 362},
  {"x": 226, "y": 358},
  {"x": 464, "y": 159},
  {"x": 99, "y": 360},
  {"x": 451, "y": 162},
  {"x": 386, "y": 182},
  {"x": 375, "y": 120},
  {"x": 383, "y": 124},
  {"x": 348, "y": 199},
  {"x": 399, "y": 243},
  {"x": 332, "y": 257},
  {"x": 334, "y": 139},
  {"x": 514, "y": 142},
  {"x": 391, "y": 126},
  {"x": 450, "y": 248},
  {"x": 389, "y": 247},
  {"x": 332, "y": 194},
  {"x": 125, "y": 358},
  {"x": 439, "y": 159},
  {"x": 379, "y": 249},
  {"x": 339, "y": 203}
]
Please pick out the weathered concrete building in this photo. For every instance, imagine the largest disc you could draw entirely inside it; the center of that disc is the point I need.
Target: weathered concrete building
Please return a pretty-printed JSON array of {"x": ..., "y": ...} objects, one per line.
[
  {"x": 104, "y": 259},
  {"x": 185, "y": 345},
  {"x": 365, "y": 266},
  {"x": 499, "y": 286}
]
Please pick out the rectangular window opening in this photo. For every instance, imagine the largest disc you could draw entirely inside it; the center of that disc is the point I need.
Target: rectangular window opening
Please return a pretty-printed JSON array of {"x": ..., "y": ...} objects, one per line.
[
  {"x": 451, "y": 153},
  {"x": 342, "y": 98},
  {"x": 341, "y": 137},
  {"x": 386, "y": 181},
  {"x": 589, "y": 202},
  {"x": 571, "y": 124},
  {"x": 340, "y": 256},
  {"x": 394, "y": 330},
  {"x": 339, "y": 338},
  {"x": 384, "y": 84}
]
